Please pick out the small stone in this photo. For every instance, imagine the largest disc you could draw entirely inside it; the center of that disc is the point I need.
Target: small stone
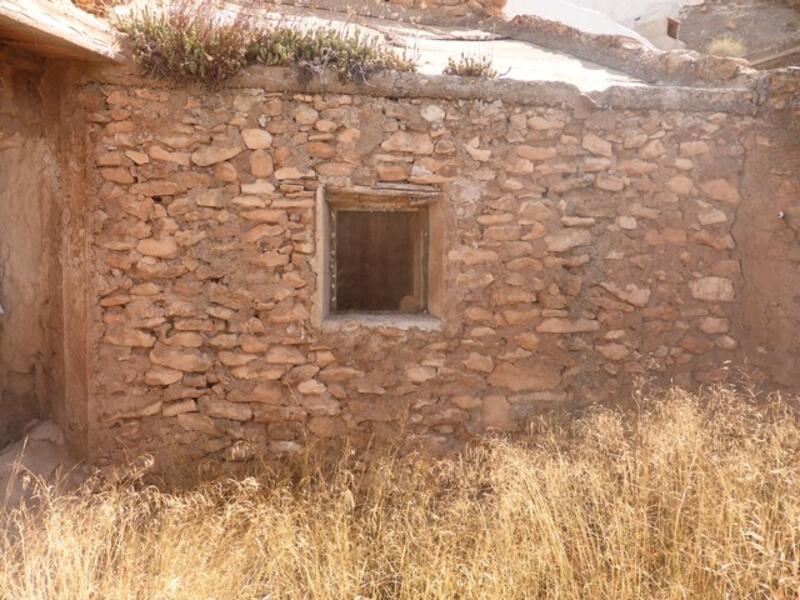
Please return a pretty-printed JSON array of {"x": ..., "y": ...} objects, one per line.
[
  {"x": 256, "y": 139},
  {"x": 129, "y": 338},
  {"x": 472, "y": 256},
  {"x": 536, "y": 153},
  {"x": 235, "y": 359},
  {"x": 211, "y": 155},
  {"x": 597, "y": 145},
  {"x": 187, "y": 405},
  {"x": 261, "y": 164},
  {"x": 420, "y": 374},
  {"x": 609, "y": 183},
  {"x": 517, "y": 378},
  {"x": 721, "y": 190},
  {"x": 285, "y": 355},
  {"x": 120, "y": 175},
  {"x": 222, "y": 409},
  {"x": 712, "y": 216},
  {"x": 467, "y": 402},
  {"x": 292, "y": 173},
  {"x": 403, "y": 141},
  {"x": 653, "y": 149},
  {"x": 192, "y": 421},
  {"x": 528, "y": 341},
  {"x": 558, "y": 325},
  {"x": 496, "y": 413},
  {"x": 180, "y": 359},
  {"x": 714, "y": 325},
  {"x": 694, "y": 148},
  {"x": 479, "y": 362},
  {"x": 626, "y": 222},
  {"x": 305, "y": 115},
  {"x": 432, "y": 113},
  {"x": 162, "y": 376},
  {"x": 631, "y": 293},
  {"x": 680, "y": 184},
  {"x": 156, "y": 188},
  {"x": 613, "y": 351},
  {"x": 311, "y": 387},
  {"x": 163, "y": 248},
  {"x": 563, "y": 241},
  {"x": 713, "y": 289}
]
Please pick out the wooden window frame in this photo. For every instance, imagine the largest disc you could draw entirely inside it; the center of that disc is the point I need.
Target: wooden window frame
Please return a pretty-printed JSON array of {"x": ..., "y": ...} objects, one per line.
[{"x": 403, "y": 198}]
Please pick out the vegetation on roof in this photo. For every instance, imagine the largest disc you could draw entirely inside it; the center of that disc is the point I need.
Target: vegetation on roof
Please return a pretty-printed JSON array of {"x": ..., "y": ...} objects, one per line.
[
  {"x": 471, "y": 66},
  {"x": 190, "y": 41},
  {"x": 726, "y": 45}
]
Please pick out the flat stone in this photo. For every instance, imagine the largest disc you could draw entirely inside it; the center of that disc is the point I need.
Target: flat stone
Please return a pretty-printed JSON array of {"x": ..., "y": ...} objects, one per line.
[
  {"x": 472, "y": 256},
  {"x": 162, "y": 376},
  {"x": 420, "y": 374},
  {"x": 163, "y": 248},
  {"x": 403, "y": 141},
  {"x": 558, "y": 325},
  {"x": 631, "y": 293},
  {"x": 193, "y": 421},
  {"x": 479, "y": 362},
  {"x": 211, "y": 155},
  {"x": 680, "y": 184},
  {"x": 597, "y": 145},
  {"x": 563, "y": 241},
  {"x": 222, "y": 409},
  {"x": 613, "y": 351},
  {"x": 268, "y": 392},
  {"x": 305, "y": 115},
  {"x": 120, "y": 175},
  {"x": 721, "y": 190},
  {"x": 180, "y": 359},
  {"x": 432, "y": 113},
  {"x": 536, "y": 152},
  {"x": 129, "y": 338},
  {"x": 518, "y": 378},
  {"x": 467, "y": 402},
  {"x": 713, "y": 289},
  {"x": 285, "y": 355}
]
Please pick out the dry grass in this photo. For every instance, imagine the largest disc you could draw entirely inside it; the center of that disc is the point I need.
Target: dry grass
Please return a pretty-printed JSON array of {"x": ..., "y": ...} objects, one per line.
[
  {"x": 694, "y": 498},
  {"x": 727, "y": 45}
]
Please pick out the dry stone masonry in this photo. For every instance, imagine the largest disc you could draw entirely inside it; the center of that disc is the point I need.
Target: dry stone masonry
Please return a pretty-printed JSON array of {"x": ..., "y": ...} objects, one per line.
[{"x": 582, "y": 251}]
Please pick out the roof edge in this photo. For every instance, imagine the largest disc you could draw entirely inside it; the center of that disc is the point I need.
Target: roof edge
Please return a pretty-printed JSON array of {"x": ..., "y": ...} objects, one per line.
[
  {"x": 57, "y": 30},
  {"x": 393, "y": 84}
]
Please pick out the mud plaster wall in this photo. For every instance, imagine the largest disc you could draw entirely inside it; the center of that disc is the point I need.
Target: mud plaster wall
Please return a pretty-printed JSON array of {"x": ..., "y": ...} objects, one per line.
[
  {"x": 767, "y": 230},
  {"x": 582, "y": 250},
  {"x": 29, "y": 272}
]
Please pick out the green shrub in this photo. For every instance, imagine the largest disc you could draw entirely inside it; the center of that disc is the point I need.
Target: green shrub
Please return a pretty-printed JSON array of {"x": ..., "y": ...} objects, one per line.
[
  {"x": 469, "y": 66},
  {"x": 188, "y": 41},
  {"x": 352, "y": 56}
]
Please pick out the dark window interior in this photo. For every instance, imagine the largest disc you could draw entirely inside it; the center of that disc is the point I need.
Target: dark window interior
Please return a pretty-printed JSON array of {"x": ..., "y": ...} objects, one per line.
[
  {"x": 672, "y": 28},
  {"x": 379, "y": 261}
]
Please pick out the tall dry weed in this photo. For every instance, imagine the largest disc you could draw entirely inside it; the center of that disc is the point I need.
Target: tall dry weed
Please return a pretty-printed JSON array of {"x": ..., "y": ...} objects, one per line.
[{"x": 694, "y": 497}]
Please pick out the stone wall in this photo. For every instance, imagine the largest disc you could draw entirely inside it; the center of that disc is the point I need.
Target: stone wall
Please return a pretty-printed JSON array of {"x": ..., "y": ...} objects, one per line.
[
  {"x": 29, "y": 286},
  {"x": 454, "y": 7},
  {"x": 584, "y": 249}
]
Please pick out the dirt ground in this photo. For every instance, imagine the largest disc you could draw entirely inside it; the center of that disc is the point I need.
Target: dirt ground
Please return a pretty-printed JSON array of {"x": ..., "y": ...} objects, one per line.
[{"x": 765, "y": 27}]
